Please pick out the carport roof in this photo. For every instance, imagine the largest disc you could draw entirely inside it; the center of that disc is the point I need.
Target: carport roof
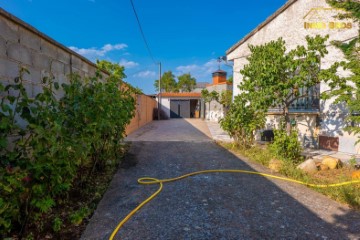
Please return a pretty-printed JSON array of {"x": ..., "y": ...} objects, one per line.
[{"x": 183, "y": 94}]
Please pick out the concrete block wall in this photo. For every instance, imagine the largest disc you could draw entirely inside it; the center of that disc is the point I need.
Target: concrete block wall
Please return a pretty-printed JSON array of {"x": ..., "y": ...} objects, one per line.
[{"x": 21, "y": 45}]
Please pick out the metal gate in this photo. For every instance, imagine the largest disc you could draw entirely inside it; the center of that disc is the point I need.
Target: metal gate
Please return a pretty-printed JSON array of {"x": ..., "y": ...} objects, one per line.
[{"x": 179, "y": 108}]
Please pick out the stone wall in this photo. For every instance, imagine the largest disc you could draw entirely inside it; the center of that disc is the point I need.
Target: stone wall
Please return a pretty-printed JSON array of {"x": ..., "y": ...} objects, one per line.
[{"x": 21, "y": 45}]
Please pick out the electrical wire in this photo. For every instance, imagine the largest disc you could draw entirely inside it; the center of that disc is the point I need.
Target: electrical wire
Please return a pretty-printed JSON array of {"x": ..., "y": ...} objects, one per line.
[
  {"x": 149, "y": 181},
  {"x": 142, "y": 33}
]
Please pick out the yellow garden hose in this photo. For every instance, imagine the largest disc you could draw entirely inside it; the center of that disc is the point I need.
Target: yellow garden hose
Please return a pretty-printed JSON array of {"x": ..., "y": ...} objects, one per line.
[{"x": 149, "y": 180}]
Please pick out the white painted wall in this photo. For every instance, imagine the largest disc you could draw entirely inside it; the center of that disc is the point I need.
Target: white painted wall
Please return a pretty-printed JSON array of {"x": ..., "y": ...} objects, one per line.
[
  {"x": 290, "y": 26},
  {"x": 215, "y": 111},
  {"x": 165, "y": 105}
]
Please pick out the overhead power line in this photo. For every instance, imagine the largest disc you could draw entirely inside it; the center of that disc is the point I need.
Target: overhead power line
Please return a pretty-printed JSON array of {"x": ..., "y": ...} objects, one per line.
[{"x": 142, "y": 33}]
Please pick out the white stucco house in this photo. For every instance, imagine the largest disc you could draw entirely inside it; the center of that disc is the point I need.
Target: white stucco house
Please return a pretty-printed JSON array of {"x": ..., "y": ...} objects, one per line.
[{"x": 320, "y": 122}]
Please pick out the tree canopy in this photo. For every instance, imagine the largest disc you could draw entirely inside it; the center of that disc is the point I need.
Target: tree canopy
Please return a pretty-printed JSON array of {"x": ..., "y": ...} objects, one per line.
[
  {"x": 352, "y": 8},
  {"x": 116, "y": 71},
  {"x": 168, "y": 83},
  {"x": 273, "y": 75},
  {"x": 186, "y": 83},
  {"x": 347, "y": 89}
]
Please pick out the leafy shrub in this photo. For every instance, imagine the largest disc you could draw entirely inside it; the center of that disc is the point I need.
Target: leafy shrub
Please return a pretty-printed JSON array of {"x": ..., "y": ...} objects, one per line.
[
  {"x": 241, "y": 121},
  {"x": 77, "y": 217},
  {"x": 286, "y": 146},
  {"x": 46, "y": 144}
]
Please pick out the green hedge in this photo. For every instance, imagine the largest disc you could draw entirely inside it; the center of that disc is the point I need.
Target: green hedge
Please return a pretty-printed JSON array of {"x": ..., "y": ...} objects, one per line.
[{"x": 48, "y": 145}]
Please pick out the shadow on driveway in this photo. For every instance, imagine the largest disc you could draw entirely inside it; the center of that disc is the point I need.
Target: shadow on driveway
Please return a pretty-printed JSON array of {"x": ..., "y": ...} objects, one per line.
[{"x": 212, "y": 206}]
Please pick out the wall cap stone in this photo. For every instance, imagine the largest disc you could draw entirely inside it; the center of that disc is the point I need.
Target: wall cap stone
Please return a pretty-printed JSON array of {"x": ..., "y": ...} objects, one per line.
[{"x": 27, "y": 26}]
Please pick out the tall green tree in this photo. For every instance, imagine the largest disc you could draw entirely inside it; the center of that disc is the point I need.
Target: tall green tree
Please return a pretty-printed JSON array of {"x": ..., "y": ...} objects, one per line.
[
  {"x": 186, "y": 83},
  {"x": 116, "y": 71},
  {"x": 209, "y": 96},
  {"x": 352, "y": 8},
  {"x": 347, "y": 89},
  {"x": 225, "y": 98},
  {"x": 168, "y": 83},
  {"x": 274, "y": 75}
]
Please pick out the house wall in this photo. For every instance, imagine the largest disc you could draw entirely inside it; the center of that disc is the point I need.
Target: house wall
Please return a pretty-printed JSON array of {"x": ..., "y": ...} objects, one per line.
[
  {"x": 144, "y": 113},
  {"x": 165, "y": 105},
  {"x": 305, "y": 125},
  {"x": 290, "y": 25},
  {"x": 214, "y": 110}
]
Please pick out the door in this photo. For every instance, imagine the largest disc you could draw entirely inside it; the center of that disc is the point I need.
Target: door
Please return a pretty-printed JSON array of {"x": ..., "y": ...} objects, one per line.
[{"x": 179, "y": 108}]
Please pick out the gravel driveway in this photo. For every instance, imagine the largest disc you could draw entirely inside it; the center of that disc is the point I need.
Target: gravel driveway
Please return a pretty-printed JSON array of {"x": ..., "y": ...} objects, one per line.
[{"x": 213, "y": 206}]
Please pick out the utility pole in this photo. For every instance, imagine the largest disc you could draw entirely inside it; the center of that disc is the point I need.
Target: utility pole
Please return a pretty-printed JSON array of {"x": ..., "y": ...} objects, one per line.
[{"x": 159, "y": 98}]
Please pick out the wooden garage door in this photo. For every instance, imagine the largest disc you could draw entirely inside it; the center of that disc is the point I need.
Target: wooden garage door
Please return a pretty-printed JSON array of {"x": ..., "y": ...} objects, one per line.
[
  {"x": 179, "y": 108},
  {"x": 329, "y": 143}
]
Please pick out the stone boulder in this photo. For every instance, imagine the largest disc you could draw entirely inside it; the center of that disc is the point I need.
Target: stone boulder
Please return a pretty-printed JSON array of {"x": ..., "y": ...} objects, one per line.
[
  {"x": 355, "y": 175},
  {"x": 275, "y": 165},
  {"x": 309, "y": 166},
  {"x": 323, "y": 167},
  {"x": 331, "y": 162}
]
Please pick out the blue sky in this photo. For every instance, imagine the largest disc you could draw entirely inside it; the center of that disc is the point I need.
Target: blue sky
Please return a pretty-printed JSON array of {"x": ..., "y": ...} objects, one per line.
[{"x": 185, "y": 35}]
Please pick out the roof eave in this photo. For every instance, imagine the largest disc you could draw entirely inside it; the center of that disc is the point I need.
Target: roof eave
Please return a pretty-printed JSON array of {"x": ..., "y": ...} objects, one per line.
[{"x": 259, "y": 27}]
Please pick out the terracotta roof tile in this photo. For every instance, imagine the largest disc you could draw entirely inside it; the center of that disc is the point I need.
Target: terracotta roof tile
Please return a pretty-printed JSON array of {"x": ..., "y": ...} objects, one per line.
[{"x": 183, "y": 94}]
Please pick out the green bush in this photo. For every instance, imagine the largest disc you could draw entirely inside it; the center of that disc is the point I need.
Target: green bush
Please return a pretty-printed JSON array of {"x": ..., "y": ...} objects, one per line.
[
  {"x": 286, "y": 146},
  {"x": 46, "y": 144},
  {"x": 241, "y": 121}
]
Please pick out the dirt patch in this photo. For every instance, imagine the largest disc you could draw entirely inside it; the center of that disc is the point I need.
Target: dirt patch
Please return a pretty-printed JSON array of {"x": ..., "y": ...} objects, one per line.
[
  {"x": 333, "y": 175},
  {"x": 129, "y": 161}
]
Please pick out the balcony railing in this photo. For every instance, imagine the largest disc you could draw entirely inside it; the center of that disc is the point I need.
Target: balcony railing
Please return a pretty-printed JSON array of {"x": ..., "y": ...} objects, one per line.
[{"x": 309, "y": 105}]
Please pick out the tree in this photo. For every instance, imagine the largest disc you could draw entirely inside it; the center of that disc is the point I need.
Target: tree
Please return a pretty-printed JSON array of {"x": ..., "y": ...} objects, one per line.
[
  {"x": 347, "y": 90},
  {"x": 230, "y": 79},
  {"x": 352, "y": 8},
  {"x": 116, "y": 71},
  {"x": 209, "y": 96},
  {"x": 186, "y": 83},
  {"x": 274, "y": 75},
  {"x": 168, "y": 83},
  {"x": 225, "y": 98}
]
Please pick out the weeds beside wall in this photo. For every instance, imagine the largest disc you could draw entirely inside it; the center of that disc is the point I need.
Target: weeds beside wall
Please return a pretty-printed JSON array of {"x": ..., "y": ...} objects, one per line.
[
  {"x": 62, "y": 122},
  {"x": 47, "y": 146}
]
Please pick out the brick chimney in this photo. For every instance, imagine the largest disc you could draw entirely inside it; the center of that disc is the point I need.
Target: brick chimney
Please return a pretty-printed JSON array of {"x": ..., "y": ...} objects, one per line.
[{"x": 219, "y": 76}]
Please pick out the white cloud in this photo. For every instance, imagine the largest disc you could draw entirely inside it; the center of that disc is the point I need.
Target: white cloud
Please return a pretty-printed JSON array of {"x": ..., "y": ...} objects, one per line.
[
  {"x": 128, "y": 64},
  {"x": 188, "y": 68},
  {"x": 93, "y": 53},
  {"x": 201, "y": 72},
  {"x": 145, "y": 74}
]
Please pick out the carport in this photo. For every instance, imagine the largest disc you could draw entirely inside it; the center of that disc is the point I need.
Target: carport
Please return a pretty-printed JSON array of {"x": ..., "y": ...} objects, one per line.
[{"x": 181, "y": 105}]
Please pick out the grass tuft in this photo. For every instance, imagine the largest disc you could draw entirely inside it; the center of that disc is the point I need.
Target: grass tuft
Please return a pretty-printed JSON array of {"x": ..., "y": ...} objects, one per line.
[{"x": 348, "y": 194}]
